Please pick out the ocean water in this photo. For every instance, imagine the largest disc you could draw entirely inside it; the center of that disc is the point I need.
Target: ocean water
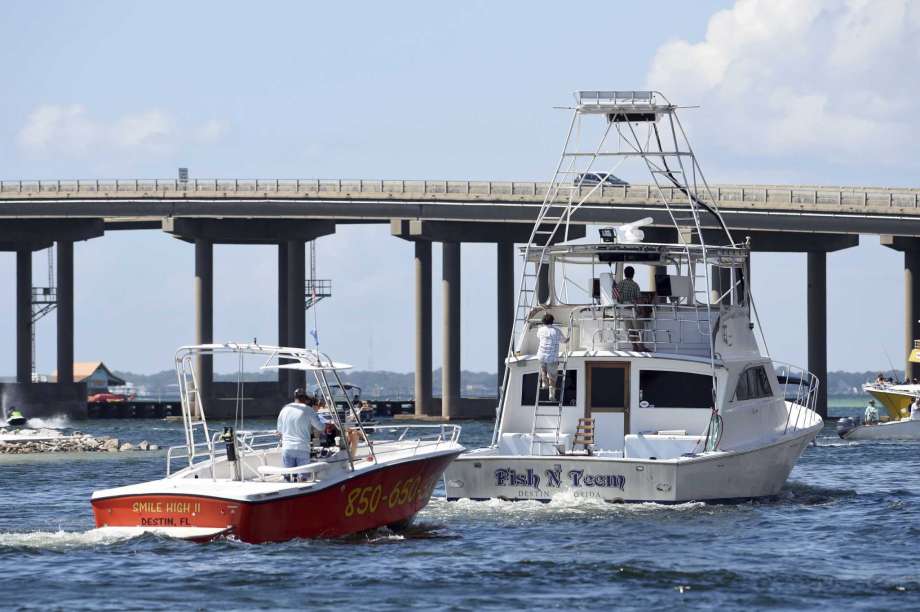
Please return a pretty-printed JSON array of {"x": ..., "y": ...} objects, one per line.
[{"x": 843, "y": 534}]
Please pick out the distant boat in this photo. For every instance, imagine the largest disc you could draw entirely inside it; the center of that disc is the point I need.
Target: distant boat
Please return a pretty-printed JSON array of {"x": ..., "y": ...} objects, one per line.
[{"x": 903, "y": 429}]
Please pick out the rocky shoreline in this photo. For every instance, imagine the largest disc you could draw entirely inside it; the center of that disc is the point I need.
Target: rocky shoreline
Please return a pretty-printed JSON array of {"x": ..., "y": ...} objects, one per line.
[{"x": 23, "y": 442}]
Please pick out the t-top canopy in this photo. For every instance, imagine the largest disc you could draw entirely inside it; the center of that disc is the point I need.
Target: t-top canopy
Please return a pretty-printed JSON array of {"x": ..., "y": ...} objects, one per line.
[{"x": 301, "y": 358}]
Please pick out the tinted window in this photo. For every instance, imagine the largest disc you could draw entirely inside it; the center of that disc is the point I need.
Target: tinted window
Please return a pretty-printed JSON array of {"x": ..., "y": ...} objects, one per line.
[
  {"x": 529, "y": 388},
  {"x": 675, "y": 389},
  {"x": 608, "y": 388},
  {"x": 753, "y": 383}
]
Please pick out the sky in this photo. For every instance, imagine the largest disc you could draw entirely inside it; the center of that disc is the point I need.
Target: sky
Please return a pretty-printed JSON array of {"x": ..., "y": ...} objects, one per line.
[{"x": 789, "y": 92}]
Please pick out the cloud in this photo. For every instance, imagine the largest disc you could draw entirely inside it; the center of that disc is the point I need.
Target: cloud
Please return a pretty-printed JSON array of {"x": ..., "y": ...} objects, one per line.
[
  {"x": 70, "y": 131},
  {"x": 781, "y": 77},
  {"x": 211, "y": 131}
]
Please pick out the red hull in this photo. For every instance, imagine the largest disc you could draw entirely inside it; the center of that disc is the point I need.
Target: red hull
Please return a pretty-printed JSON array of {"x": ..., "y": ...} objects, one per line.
[{"x": 386, "y": 496}]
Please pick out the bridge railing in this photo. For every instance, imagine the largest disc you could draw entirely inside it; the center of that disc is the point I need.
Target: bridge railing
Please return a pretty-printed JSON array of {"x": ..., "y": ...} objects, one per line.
[{"x": 737, "y": 196}]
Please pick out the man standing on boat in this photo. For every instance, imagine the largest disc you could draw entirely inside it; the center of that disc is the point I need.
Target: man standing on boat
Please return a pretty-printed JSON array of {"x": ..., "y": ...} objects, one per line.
[
  {"x": 294, "y": 422},
  {"x": 548, "y": 354},
  {"x": 628, "y": 292},
  {"x": 871, "y": 415}
]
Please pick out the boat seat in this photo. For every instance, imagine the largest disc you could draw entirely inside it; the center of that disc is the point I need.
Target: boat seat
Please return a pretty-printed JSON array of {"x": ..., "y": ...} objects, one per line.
[
  {"x": 647, "y": 446},
  {"x": 310, "y": 468}
]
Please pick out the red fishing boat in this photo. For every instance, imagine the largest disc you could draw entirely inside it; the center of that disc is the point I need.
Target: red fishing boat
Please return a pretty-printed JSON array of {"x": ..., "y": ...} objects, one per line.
[{"x": 233, "y": 483}]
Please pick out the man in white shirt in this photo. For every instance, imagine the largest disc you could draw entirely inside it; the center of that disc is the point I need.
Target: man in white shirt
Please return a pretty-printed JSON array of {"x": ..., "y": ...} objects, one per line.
[
  {"x": 871, "y": 415},
  {"x": 294, "y": 422},
  {"x": 915, "y": 410},
  {"x": 548, "y": 354}
]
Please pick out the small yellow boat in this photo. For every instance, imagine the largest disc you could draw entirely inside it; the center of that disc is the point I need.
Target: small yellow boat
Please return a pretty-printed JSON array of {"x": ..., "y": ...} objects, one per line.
[{"x": 896, "y": 398}]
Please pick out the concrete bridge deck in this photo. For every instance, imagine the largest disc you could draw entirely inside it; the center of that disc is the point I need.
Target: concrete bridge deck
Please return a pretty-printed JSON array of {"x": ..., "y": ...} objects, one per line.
[
  {"x": 135, "y": 202},
  {"x": 287, "y": 213}
]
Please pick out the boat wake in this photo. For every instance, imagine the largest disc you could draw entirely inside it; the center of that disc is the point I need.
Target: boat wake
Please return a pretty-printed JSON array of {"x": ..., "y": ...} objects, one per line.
[
  {"x": 59, "y": 540},
  {"x": 565, "y": 503},
  {"x": 57, "y": 422}
]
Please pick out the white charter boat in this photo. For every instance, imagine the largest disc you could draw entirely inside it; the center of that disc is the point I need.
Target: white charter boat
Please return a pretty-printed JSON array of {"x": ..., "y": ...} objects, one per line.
[
  {"x": 669, "y": 399},
  {"x": 233, "y": 482}
]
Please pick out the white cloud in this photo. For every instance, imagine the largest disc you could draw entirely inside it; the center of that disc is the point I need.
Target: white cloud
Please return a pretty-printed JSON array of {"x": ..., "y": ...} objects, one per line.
[
  {"x": 211, "y": 131},
  {"x": 70, "y": 131},
  {"x": 828, "y": 77}
]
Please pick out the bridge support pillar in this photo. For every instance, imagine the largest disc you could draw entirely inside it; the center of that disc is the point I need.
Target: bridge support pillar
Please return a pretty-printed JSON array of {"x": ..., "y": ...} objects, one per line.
[
  {"x": 296, "y": 307},
  {"x": 911, "y": 307},
  {"x": 424, "y": 404},
  {"x": 505, "y": 299},
  {"x": 911, "y": 248},
  {"x": 450, "y": 369},
  {"x": 817, "y": 324},
  {"x": 204, "y": 313},
  {"x": 65, "y": 311},
  {"x": 24, "y": 315},
  {"x": 283, "y": 384}
]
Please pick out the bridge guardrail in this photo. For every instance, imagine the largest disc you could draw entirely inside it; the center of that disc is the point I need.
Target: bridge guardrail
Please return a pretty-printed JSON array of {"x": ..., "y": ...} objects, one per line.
[{"x": 736, "y": 195}]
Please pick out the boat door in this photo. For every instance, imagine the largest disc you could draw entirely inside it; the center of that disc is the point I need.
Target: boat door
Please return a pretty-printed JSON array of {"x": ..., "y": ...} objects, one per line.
[{"x": 607, "y": 402}]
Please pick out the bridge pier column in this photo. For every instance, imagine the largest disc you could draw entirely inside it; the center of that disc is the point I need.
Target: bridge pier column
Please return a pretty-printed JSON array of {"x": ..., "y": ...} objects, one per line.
[
  {"x": 911, "y": 306},
  {"x": 505, "y": 300},
  {"x": 204, "y": 313},
  {"x": 296, "y": 307},
  {"x": 65, "y": 311},
  {"x": 817, "y": 324},
  {"x": 283, "y": 378},
  {"x": 423, "y": 333},
  {"x": 24, "y": 315},
  {"x": 450, "y": 369}
]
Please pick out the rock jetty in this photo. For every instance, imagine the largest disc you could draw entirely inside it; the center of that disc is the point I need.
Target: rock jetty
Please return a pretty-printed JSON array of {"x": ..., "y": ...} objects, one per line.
[{"x": 26, "y": 441}]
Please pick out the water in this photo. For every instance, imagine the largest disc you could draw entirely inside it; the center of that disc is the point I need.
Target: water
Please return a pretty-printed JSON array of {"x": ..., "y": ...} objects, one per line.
[{"x": 843, "y": 534}]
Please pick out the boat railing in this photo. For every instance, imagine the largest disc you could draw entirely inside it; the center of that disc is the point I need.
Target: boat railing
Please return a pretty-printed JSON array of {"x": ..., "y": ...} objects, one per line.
[
  {"x": 799, "y": 387},
  {"x": 671, "y": 328},
  {"x": 254, "y": 443},
  {"x": 424, "y": 436},
  {"x": 201, "y": 450}
]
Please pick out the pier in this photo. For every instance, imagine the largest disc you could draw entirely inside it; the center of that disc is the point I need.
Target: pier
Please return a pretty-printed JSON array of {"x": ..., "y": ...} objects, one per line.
[{"x": 35, "y": 215}]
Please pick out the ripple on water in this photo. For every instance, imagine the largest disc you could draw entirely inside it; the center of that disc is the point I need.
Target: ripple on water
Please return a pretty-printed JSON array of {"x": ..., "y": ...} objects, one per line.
[{"x": 841, "y": 534}]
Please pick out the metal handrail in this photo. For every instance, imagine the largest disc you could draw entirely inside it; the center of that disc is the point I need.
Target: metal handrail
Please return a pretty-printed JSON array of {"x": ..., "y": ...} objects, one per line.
[
  {"x": 250, "y": 443},
  {"x": 648, "y": 333},
  {"x": 860, "y": 197},
  {"x": 800, "y": 388}
]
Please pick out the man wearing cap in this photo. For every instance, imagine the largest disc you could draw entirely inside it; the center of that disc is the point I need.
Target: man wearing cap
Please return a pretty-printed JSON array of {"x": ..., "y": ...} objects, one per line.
[{"x": 294, "y": 423}]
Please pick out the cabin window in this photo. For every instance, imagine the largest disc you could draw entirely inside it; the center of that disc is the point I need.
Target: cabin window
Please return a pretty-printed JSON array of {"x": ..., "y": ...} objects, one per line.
[
  {"x": 752, "y": 384},
  {"x": 662, "y": 389},
  {"x": 529, "y": 388}
]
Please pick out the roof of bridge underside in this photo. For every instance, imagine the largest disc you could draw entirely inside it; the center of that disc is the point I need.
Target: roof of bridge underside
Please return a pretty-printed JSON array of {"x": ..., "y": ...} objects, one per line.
[{"x": 36, "y": 234}]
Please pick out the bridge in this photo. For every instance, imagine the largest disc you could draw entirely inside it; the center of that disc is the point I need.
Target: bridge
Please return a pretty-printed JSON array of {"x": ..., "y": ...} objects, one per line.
[{"x": 287, "y": 213}]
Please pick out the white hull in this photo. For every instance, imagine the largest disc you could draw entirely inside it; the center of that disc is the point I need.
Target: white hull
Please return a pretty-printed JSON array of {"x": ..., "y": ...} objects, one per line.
[
  {"x": 723, "y": 475},
  {"x": 894, "y": 430}
]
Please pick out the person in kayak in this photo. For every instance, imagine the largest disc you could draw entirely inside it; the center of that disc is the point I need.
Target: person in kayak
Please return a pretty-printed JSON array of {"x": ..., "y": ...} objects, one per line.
[{"x": 294, "y": 423}]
